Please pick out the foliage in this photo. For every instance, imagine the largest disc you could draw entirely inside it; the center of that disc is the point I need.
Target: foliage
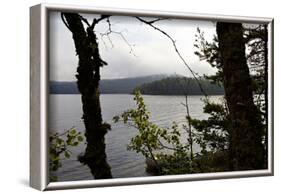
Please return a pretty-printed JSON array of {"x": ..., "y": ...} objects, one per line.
[
  {"x": 59, "y": 145},
  {"x": 150, "y": 138},
  {"x": 163, "y": 145},
  {"x": 255, "y": 39},
  {"x": 178, "y": 162},
  {"x": 212, "y": 133},
  {"x": 208, "y": 51},
  {"x": 178, "y": 85}
]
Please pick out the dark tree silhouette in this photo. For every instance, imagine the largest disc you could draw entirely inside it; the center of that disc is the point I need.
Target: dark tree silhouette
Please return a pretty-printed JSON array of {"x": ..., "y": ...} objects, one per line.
[
  {"x": 256, "y": 40},
  {"x": 246, "y": 149},
  {"x": 88, "y": 77}
]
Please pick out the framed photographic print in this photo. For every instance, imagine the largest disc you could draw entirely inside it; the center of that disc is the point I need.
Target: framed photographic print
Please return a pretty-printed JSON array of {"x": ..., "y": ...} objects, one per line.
[{"x": 123, "y": 97}]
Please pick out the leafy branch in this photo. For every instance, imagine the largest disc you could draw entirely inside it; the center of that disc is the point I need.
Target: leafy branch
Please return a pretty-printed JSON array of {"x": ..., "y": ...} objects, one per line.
[
  {"x": 150, "y": 138},
  {"x": 59, "y": 145}
]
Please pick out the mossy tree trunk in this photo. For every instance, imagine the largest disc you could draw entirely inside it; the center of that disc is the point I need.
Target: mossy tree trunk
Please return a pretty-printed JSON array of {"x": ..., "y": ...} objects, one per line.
[
  {"x": 246, "y": 149},
  {"x": 88, "y": 77}
]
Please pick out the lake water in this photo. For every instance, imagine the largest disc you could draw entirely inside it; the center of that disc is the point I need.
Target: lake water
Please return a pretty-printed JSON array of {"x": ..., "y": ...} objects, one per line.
[{"x": 65, "y": 112}]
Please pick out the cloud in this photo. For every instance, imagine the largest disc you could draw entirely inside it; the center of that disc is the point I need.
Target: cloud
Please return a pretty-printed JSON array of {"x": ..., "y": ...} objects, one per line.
[{"x": 154, "y": 52}]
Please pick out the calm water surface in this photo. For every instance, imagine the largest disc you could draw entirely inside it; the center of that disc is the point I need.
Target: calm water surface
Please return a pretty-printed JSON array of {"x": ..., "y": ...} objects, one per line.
[{"x": 65, "y": 112}]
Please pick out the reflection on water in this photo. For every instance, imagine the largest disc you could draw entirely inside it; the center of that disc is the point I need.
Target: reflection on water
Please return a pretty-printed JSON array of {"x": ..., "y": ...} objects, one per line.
[{"x": 65, "y": 112}]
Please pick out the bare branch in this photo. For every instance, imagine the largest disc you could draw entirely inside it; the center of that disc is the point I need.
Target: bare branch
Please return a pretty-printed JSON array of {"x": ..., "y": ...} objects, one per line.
[
  {"x": 184, "y": 105},
  {"x": 95, "y": 21},
  {"x": 64, "y": 21},
  {"x": 101, "y": 37},
  {"x": 156, "y": 20},
  {"x": 85, "y": 20},
  {"x": 166, "y": 147},
  {"x": 150, "y": 23},
  {"x": 110, "y": 31}
]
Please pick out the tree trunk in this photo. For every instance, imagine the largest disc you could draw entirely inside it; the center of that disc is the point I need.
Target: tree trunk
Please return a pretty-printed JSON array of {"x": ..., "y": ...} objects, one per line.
[
  {"x": 88, "y": 77},
  {"x": 246, "y": 149}
]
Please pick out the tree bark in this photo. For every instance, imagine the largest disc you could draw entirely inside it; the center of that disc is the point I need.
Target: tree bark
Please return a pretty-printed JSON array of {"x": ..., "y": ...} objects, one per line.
[
  {"x": 88, "y": 77},
  {"x": 246, "y": 149}
]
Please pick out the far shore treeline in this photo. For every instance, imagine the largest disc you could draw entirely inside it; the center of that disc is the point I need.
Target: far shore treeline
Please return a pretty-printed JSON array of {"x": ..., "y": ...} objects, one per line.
[
  {"x": 151, "y": 85},
  {"x": 180, "y": 86}
]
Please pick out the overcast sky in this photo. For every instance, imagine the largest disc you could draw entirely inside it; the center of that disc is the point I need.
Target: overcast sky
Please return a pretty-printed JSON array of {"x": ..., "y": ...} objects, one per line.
[{"x": 153, "y": 53}]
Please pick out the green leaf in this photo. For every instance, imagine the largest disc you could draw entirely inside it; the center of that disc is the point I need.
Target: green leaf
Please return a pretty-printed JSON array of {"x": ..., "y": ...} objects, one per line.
[
  {"x": 66, "y": 154},
  {"x": 115, "y": 119},
  {"x": 80, "y": 138},
  {"x": 53, "y": 178},
  {"x": 72, "y": 132},
  {"x": 59, "y": 141},
  {"x": 68, "y": 142},
  {"x": 75, "y": 143},
  {"x": 55, "y": 158}
]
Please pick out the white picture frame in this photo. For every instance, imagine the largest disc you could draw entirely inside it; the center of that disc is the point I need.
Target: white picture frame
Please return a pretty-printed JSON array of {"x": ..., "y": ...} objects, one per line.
[{"x": 39, "y": 68}]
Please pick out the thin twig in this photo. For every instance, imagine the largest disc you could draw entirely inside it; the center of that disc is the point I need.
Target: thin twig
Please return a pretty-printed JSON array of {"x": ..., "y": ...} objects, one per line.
[
  {"x": 110, "y": 31},
  {"x": 150, "y": 23},
  {"x": 95, "y": 21},
  {"x": 167, "y": 147},
  {"x": 85, "y": 20}
]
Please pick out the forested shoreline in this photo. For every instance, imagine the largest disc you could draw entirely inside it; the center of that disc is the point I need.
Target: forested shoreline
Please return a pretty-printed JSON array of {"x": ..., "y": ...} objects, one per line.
[
  {"x": 180, "y": 86},
  {"x": 150, "y": 85}
]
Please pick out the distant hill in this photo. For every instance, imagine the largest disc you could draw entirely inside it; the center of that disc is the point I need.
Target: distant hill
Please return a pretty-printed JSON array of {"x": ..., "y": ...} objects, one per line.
[
  {"x": 178, "y": 85},
  {"x": 107, "y": 86}
]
